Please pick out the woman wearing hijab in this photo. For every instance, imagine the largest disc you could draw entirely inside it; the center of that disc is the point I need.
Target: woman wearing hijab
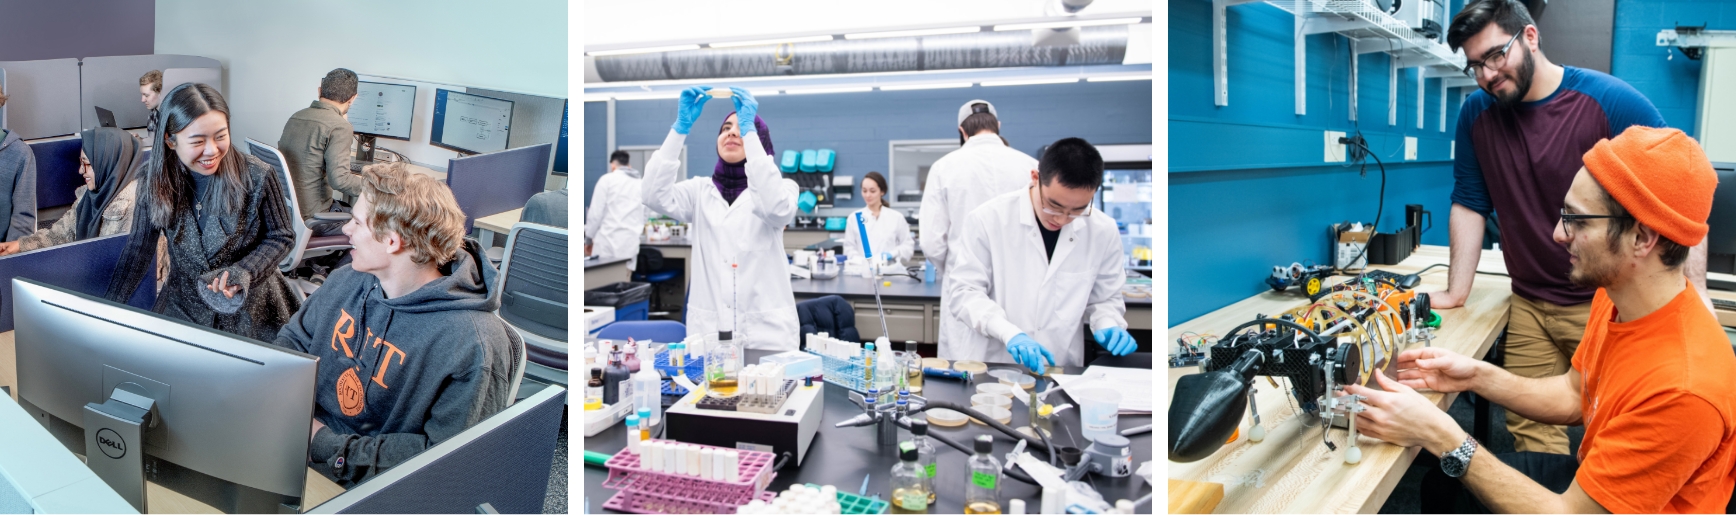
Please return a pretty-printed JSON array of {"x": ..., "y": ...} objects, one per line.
[
  {"x": 109, "y": 161},
  {"x": 741, "y": 281},
  {"x": 225, "y": 219}
]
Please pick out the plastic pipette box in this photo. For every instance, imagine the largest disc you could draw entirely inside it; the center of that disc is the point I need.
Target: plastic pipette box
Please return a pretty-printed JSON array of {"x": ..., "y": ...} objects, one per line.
[{"x": 797, "y": 364}]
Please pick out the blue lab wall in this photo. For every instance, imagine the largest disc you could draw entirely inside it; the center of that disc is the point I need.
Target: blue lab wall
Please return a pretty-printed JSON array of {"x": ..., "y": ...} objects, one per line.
[
  {"x": 859, "y": 125},
  {"x": 1249, "y": 187},
  {"x": 596, "y": 156},
  {"x": 1672, "y": 82}
]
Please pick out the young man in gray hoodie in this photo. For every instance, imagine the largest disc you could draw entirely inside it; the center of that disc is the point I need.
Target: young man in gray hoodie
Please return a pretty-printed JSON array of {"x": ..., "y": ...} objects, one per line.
[
  {"x": 411, "y": 352},
  {"x": 17, "y": 185}
]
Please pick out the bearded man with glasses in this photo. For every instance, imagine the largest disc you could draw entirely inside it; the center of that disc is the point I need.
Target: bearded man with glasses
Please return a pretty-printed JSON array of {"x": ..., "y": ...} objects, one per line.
[{"x": 1524, "y": 135}]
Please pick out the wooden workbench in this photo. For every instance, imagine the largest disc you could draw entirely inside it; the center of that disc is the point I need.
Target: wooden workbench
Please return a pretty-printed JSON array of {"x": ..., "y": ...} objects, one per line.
[{"x": 1291, "y": 471}]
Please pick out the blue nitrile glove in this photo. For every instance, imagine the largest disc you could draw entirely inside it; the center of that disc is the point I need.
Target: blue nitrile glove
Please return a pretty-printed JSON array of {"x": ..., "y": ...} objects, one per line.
[
  {"x": 1027, "y": 352},
  {"x": 1116, "y": 340},
  {"x": 745, "y": 109},
  {"x": 693, "y": 101}
]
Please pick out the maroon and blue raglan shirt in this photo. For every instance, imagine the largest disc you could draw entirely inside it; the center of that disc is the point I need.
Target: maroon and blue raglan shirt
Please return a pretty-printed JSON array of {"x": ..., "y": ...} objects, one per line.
[{"x": 1519, "y": 161}]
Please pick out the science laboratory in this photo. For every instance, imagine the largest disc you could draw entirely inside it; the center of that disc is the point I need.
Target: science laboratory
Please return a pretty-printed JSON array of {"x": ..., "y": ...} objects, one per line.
[{"x": 880, "y": 263}]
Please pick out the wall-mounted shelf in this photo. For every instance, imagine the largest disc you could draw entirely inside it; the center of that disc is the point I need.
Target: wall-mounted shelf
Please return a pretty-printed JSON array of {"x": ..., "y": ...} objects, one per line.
[{"x": 1369, "y": 30}]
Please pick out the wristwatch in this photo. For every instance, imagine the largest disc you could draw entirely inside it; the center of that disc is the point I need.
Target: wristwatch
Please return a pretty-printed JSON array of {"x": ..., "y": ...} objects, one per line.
[{"x": 1457, "y": 461}]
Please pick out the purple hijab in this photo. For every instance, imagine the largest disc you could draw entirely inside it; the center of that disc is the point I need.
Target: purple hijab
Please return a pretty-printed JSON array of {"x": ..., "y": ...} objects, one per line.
[{"x": 731, "y": 178}]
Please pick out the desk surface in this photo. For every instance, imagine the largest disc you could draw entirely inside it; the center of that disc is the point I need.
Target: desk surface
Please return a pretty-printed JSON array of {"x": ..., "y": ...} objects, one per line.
[
  {"x": 599, "y": 263},
  {"x": 1292, "y": 471},
  {"x": 500, "y": 222},
  {"x": 159, "y": 499},
  {"x": 842, "y": 456}
]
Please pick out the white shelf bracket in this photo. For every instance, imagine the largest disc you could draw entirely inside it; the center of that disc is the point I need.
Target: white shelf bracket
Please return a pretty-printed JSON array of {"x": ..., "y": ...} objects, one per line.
[
  {"x": 1301, "y": 65},
  {"x": 1392, "y": 90},
  {"x": 1443, "y": 105},
  {"x": 1220, "y": 52},
  {"x": 1353, "y": 70}
]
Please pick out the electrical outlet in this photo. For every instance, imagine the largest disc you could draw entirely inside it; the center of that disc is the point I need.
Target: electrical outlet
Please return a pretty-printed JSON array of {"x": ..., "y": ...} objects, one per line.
[
  {"x": 1334, "y": 149},
  {"x": 1410, "y": 148}
]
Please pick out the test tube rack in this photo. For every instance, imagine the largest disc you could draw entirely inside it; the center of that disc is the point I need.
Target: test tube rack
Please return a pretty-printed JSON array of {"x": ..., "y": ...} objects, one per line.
[
  {"x": 848, "y": 373},
  {"x": 767, "y": 404},
  {"x": 642, "y": 490},
  {"x": 852, "y": 504}
]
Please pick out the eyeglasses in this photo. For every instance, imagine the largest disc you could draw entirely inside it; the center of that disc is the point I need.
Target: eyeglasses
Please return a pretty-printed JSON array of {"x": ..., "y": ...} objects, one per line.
[
  {"x": 1492, "y": 61},
  {"x": 1075, "y": 214},
  {"x": 1569, "y": 220}
]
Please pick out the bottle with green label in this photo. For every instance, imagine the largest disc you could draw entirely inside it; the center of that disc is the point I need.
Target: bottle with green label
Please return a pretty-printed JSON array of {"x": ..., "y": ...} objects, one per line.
[
  {"x": 981, "y": 493},
  {"x": 910, "y": 492},
  {"x": 924, "y": 455}
]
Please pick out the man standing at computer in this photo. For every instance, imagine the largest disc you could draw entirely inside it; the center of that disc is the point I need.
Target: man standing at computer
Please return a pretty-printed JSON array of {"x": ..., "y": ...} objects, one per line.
[
  {"x": 411, "y": 352},
  {"x": 316, "y": 143}
]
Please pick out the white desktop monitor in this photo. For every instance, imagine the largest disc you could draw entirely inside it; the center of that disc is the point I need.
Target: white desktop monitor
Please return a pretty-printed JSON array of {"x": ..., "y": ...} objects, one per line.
[
  {"x": 231, "y": 414},
  {"x": 384, "y": 110},
  {"x": 470, "y": 123}
]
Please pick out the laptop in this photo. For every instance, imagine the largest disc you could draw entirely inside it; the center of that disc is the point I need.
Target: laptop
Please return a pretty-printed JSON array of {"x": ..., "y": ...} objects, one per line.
[{"x": 105, "y": 118}]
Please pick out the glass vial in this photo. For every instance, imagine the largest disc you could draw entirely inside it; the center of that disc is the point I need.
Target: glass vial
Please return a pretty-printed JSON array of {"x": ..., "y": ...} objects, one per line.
[
  {"x": 723, "y": 366},
  {"x": 910, "y": 492},
  {"x": 981, "y": 493}
]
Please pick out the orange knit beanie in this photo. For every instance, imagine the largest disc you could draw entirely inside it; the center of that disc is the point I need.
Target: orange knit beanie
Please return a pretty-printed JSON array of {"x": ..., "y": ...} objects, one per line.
[{"x": 1661, "y": 176}]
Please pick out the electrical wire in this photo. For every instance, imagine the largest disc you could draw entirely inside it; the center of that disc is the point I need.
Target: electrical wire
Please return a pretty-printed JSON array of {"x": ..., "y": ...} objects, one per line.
[{"x": 1380, "y": 205}]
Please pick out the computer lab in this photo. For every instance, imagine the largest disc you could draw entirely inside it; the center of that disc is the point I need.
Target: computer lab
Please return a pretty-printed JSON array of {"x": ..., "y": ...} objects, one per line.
[{"x": 283, "y": 257}]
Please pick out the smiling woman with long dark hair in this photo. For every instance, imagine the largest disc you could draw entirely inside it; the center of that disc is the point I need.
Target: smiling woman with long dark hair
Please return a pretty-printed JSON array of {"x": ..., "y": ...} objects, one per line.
[{"x": 225, "y": 217}]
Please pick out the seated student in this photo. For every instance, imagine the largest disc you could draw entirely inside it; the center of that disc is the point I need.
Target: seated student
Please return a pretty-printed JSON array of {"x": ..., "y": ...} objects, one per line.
[
  {"x": 1666, "y": 440},
  {"x": 1023, "y": 306},
  {"x": 316, "y": 145},
  {"x": 17, "y": 185},
  {"x": 547, "y": 208},
  {"x": 411, "y": 352},
  {"x": 225, "y": 219},
  {"x": 109, "y": 161}
]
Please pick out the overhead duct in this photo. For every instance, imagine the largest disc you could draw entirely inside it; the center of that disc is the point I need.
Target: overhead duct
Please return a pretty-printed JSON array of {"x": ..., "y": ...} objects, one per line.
[{"x": 999, "y": 49}]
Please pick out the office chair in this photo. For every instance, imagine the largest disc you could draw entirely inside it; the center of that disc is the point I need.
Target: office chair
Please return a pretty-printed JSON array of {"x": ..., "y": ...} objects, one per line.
[
  {"x": 533, "y": 292},
  {"x": 662, "y": 331},
  {"x": 306, "y": 245},
  {"x": 830, "y": 314},
  {"x": 649, "y": 269}
]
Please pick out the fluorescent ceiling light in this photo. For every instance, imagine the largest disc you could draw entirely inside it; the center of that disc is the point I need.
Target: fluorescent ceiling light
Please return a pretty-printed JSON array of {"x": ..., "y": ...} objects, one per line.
[
  {"x": 642, "y": 50},
  {"x": 1067, "y": 24},
  {"x": 652, "y": 95},
  {"x": 1119, "y": 78},
  {"x": 907, "y": 87},
  {"x": 1028, "y": 82},
  {"x": 911, "y": 33},
  {"x": 857, "y": 89},
  {"x": 762, "y": 92},
  {"x": 803, "y": 39}
]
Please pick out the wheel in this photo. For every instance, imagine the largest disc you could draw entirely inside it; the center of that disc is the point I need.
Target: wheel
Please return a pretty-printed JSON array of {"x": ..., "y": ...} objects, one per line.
[{"x": 1313, "y": 286}]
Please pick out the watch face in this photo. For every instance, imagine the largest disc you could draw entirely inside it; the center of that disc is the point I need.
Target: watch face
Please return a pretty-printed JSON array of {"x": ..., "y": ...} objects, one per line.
[{"x": 1453, "y": 465}]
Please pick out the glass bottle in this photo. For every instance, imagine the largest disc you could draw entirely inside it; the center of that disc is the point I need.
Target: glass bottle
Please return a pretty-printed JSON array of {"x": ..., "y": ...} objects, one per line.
[
  {"x": 631, "y": 356},
  {"x": 912, "y": 368},
  {"x": 910, "y": 492},
  {"x": 723, "y": 366},
  {"x": 980, "y": 494},
  {"x": 594, "y": 387},
  {"x": 613, "y": 376},
  {"x": 924, "y": 455}
]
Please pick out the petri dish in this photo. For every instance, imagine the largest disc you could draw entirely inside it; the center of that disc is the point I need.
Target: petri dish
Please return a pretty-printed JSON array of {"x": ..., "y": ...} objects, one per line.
[
  {"x": 974, "y": 367},
  {"x": 936, "y": 363},
  {"x": 1021, "y": 381},
  {"x": 997, "y": 389},
  {"x": 1001, "y": 415},
  {"x": 981, "y": 400},
  {"x": 945, "y": 417}
]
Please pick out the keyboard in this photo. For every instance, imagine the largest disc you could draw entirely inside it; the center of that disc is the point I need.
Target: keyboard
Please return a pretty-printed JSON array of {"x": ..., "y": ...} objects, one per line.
[{"x": 1727, "y": 305}]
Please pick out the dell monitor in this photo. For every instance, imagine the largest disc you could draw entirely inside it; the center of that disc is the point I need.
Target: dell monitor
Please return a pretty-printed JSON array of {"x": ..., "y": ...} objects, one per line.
[
  {"x": 1721, "y": 225},
  {"x": 470, "y": 124},
  {"x": 381, "y": 111},
  {"x": 219, "y": 418}
]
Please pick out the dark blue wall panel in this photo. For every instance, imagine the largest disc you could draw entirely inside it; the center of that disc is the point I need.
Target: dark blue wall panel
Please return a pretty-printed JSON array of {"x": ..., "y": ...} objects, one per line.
[
  {"x": 859, "y": 125},
  {"x": 1249, "y": 187}
]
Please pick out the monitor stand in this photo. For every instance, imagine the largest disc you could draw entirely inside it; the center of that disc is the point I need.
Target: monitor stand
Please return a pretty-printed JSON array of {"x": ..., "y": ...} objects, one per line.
[
  {"x": 115, "y": 429},
  {"x": 365, "y": 148}
]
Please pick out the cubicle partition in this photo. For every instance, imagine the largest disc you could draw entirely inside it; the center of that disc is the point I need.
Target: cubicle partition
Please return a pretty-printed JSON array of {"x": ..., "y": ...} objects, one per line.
[
  {"x": 58, "y": 97},
  {"x": 84, "y": 267},
  {"x": 45, "y": 100},
  {"x": 488, "y": 184},
  {"x": 113, "y": 83},
  {"x": 57, "y": 178}
]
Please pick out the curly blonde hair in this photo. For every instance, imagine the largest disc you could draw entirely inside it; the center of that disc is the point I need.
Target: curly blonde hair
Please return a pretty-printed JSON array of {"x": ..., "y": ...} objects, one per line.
[{"x": 420, "y": 209}]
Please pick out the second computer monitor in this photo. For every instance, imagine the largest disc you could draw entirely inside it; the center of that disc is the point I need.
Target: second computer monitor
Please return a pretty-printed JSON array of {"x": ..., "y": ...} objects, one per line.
[
  {"x": 470, "y": 123},
  {"x": 384, "y": 110}
]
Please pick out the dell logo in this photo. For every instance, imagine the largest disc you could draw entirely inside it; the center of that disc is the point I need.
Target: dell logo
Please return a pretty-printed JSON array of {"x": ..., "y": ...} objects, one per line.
[{"x": 111, "y": 443}]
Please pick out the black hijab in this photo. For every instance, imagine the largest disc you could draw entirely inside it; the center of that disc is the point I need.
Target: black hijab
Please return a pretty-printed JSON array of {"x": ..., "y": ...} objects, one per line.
[{"x": 115, "y": 158}]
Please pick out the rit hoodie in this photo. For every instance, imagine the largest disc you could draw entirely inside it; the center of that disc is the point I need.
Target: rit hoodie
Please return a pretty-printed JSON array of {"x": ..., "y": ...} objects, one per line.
[{"x": 397, "y": 376}]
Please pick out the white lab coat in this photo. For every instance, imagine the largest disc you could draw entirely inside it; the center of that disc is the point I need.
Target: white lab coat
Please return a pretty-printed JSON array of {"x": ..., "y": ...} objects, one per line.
[
  {"x": 984, "y": 168},
  {"x": 1003, "y": 285},
  {"x": 749, "y": 233},
  {"x": 616, "y": 217},
  {"x": 887, "y": 234}
]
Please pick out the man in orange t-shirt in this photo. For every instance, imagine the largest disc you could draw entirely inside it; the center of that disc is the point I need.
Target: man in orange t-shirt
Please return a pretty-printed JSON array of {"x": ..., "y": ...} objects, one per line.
[{"x": 1651, "y": 381}]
